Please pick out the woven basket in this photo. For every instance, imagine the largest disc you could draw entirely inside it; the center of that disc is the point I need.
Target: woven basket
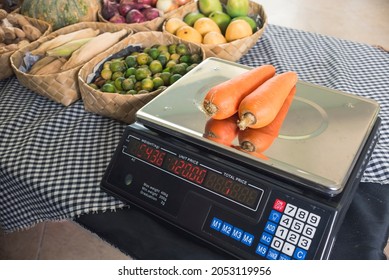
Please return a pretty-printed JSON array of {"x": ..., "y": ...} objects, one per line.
[
  {"x": 114, "y": 105},
  {"x": 5, "y": 63},
  {"x": 151, "y": 25},
  {"x": 60, "y": 87},
  {"x": 234, "y": 50}
]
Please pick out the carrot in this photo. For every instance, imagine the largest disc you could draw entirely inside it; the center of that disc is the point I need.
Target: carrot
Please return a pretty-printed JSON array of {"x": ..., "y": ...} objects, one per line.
[
  {"x": 260, "y": 107},
  {"x": 260, "y": 139},
  {"x": 222, "y": 131},
  {"x": 254, "y": 154},
  {"x": 222, "y": 101}
]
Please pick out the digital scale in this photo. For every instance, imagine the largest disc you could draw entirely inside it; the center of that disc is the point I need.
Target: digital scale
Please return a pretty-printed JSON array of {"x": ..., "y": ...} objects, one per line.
[{"x": 286, "y": 205}]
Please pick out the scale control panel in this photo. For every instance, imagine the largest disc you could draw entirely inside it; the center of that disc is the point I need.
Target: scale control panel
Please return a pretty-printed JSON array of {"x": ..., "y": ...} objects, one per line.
[
  {"x": 288, "y": 230},
  {"x": 235, "y": 209}
]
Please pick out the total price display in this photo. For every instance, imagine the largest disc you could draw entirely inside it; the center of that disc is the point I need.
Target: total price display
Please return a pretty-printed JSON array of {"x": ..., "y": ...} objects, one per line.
[{"x": 195, "y": 173}]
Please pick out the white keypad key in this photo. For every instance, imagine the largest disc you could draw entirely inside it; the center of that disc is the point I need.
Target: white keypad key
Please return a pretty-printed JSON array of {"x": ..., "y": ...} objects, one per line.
[
  {"x": 286, "y": 221},
  {"x": 293, "y": 237},
  {"x": 281, "y": 232},
  {"x": 302, "y": 214},
  {"x": 290, "y": 210},
  {"x": 304, "y": 242},
  {"x": 297, "y": 226},
  {"x": 288, "y": 249},
  {"x": 313, "y": 219},
  {"x": 309, "y": 231},
  {"x": 277, "y": 243}
]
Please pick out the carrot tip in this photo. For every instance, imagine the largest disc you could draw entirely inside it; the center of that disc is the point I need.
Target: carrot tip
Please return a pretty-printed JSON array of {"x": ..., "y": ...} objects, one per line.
[
  {"x": 209, "y": 108},
  {"x": 247, "y": 146},
  {"x": 246, "y": 120}
]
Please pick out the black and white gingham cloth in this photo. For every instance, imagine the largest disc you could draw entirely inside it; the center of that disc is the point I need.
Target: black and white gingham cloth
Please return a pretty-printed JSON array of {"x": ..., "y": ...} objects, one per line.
[{"x": 52, "y": 158}]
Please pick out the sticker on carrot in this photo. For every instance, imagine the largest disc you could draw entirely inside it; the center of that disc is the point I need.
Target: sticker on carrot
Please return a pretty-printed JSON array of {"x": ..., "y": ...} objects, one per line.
[
  {"x": 222, "y": 131},
  {"x": 222, "y": 101},
  {"x": 260, "y": 107},
  {"x": 260, "y": 139}
]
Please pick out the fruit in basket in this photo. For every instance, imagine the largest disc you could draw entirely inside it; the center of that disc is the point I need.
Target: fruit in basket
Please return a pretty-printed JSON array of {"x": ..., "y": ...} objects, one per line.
[
  {"x": 173, "y": 24},
  {"x": 205, "y": 25},
  {"x": 237, "y": 8},
  {"x": 238, "y": 29},
  {"x": 221, "y": 19},
  {"x": 142, "y": 71},
  {"x": 166, "y": 5},
  {"x": 135, "y": 16},
  {"x": 206, "y": 7},
  {"x": 189, "y": 34},
  {"x": 60, "y": 13},
  {"x": 249, "y": 20},
  {"x": 214, "y": 38},
  {"x": 191, "y": 17}
]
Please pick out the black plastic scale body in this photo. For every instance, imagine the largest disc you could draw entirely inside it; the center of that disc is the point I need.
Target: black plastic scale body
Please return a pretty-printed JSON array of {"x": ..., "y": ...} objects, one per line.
[{"x": 248, "y": 213}]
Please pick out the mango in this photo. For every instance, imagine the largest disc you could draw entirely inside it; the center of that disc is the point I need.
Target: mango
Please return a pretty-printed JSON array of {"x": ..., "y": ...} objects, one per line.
[{"x": 236, "y": 8}]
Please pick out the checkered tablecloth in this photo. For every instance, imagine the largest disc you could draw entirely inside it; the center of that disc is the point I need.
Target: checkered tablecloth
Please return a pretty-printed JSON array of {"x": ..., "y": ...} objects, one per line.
[{"x": 52, "y": 158}]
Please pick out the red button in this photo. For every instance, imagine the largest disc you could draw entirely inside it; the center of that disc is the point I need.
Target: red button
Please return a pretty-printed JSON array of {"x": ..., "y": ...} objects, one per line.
[{"x": 279, "y": 205}]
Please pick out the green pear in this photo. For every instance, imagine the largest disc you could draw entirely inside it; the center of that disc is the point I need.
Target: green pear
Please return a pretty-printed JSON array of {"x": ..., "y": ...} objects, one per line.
[
  {"x": 191, "y": 18},
  {"x": 206, "y": 7},
  {"x": 236, "y": 8},
  {"x": 222, "y": 19}
]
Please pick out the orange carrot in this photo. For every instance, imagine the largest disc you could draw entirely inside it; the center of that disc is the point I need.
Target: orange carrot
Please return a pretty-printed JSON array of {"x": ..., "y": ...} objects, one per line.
[
  {"x": 222, "y": 131},
  {"x": 254, "y": 154},
  {"x": 260, "y": 139},
  {"x": 259, "y": 108},
  {"x": 222, "y": 101}
]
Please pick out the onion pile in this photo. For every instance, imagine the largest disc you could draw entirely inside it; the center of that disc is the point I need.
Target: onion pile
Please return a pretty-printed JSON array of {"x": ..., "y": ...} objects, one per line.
[{"x": 137, "y": 11}]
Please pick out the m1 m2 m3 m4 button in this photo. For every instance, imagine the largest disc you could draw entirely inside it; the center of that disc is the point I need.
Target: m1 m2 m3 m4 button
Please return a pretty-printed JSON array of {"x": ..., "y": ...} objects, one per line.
[
  {"x": 247, "y": 239},
  {"x": 216, "y": 224}
]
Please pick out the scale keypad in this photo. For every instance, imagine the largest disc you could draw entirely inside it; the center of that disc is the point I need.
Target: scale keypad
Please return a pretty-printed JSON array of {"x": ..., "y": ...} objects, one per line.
[{"x": 288, "y": 232}]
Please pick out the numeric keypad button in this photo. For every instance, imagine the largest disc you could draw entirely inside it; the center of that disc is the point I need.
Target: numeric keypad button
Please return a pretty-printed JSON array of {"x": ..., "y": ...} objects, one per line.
[
  {"x": 281, "y": 232},
  {"x": 286, "y": 221},
  {"x": 304, "y": 242},
  {"x": 302, "y": 214},
  {"x": 313, "y": 219},
  {"x": 288, "y": 249},
  {"x": 290, "y": 209},
  {"x": 309, "y": 231},
  {"x": 297, "y": 226},
  {"x": 293, "y": 237}
]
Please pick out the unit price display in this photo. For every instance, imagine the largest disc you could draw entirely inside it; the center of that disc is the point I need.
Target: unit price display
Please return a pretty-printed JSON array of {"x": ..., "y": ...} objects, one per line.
[{"x": 195, "y": 173}]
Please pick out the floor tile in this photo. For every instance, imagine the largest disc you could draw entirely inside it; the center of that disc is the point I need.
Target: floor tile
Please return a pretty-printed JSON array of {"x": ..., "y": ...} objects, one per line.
[
  {"x": 21, "y": 245},
  {"x": 68, "y": 241}
]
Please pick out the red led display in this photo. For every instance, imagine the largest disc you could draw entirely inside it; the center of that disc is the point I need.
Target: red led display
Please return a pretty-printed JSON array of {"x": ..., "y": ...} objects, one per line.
[
  {"x": 195, "y": 173},
  {"x": 185, "y": 169},
  {"x": 146, "y": 152}
]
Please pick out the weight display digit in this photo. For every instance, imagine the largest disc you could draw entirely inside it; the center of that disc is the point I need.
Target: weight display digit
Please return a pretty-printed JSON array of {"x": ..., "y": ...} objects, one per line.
[{"x": 195, "y": 173}]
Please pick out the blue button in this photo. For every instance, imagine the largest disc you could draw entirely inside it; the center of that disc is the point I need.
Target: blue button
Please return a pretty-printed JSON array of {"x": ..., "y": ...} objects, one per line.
[
  {"x": 226, "y": 229},
  {"x": 283, "y": 257},
  {"x": 261, "y": 250},
  {"x": 266, "y": 238},
  {"x": 270, "y": 227},
  {"x": 272, "y": 254},
  {"x": 216, "y": 224},
  {"x": 275, "y": 216},
  {"x": 247, "y": 239},
  {"x": 299, "y": 254},
  {"x": 237, "y": 233}
]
